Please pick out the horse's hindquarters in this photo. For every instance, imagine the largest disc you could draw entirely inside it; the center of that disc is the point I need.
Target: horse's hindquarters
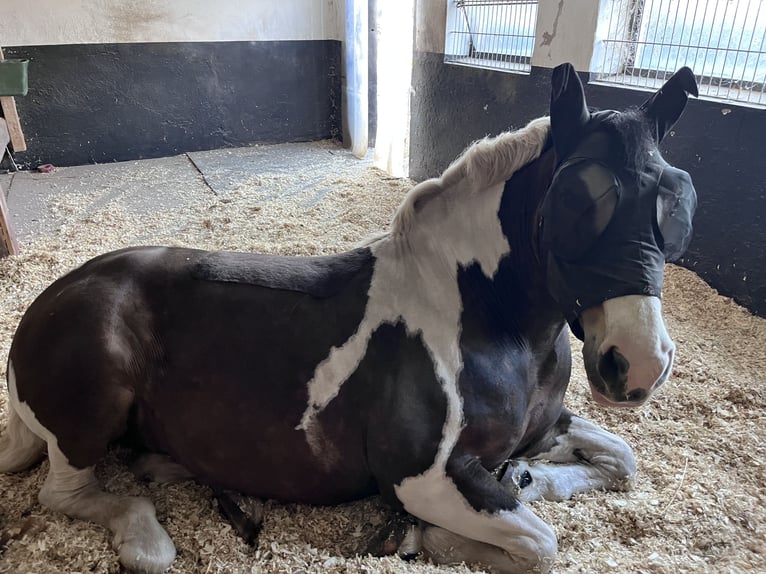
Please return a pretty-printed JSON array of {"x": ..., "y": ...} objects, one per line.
[{"x": 214, "y": 373}]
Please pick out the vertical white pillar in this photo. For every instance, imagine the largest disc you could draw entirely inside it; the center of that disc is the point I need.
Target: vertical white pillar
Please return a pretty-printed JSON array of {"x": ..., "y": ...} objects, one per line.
[
  {"x": 395, "y": 34},
  {"x": 356, "y": 109}
]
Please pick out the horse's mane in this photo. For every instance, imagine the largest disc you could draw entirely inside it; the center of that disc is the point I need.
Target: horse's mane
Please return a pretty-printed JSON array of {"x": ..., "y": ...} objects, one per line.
[
  {"x": 485, "y": 163},
  {"x": 633, "y": 129}
]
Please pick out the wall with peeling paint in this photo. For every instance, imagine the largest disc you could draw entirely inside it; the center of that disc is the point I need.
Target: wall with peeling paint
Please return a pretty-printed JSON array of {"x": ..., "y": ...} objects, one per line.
[
  {"x": 565, "y": 32},
  {"x": 720, "y": 144},
  {"x": 122, "y": 21}
]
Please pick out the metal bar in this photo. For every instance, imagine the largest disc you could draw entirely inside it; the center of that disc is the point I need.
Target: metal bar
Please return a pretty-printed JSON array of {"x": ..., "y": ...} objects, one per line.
[
  {"x": 695, "y": 48},
  {"x": 673, "y": 35},
  {"x": 710, "y": 36},
  {"x": 461, "y": 3},
  {"x": 718, "y": 43},
  {"x": 499, "y": 33},
  {"x": 734, "y": 51},
  {"x": 760, "y": 53}
]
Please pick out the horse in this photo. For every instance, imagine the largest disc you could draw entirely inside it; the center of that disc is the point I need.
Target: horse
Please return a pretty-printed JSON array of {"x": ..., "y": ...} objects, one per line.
[{"x": 410, "y": 366}]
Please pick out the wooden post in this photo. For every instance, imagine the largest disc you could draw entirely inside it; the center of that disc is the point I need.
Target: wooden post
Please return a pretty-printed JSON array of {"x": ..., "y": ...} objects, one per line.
[
  {"x": 8, "y": 245},
  {"x": 11, "y": 115}
]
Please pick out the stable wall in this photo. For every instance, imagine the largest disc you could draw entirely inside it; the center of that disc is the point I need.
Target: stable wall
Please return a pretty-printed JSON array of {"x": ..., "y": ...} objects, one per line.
[
  {"x": 113, "y": 80},
  {"x": 720, "y": 144}
]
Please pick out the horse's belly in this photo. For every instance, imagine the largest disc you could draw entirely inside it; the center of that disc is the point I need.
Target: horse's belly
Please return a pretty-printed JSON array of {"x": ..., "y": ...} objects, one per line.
[{"x": 250, "y": 444}]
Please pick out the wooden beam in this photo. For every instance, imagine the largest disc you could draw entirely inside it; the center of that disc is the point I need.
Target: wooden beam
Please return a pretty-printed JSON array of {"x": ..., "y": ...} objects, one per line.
[
  {"x": 8, "y": 245},
  {"x": 11, "y": 115}
]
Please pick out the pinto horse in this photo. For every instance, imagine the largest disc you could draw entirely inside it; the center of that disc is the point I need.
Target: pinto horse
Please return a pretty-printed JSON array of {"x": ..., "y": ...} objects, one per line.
[{"x": 411, "y": 366}]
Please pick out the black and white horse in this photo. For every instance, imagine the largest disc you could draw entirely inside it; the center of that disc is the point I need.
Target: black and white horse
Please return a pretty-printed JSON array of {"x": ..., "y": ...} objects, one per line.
[{"x": 411, "y": 366}]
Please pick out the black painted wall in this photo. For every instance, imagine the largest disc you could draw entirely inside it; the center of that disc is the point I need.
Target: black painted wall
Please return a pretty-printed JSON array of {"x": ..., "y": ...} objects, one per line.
[
  {"x": 111, "y": 102},
  {"x": 722, "y": 146}
]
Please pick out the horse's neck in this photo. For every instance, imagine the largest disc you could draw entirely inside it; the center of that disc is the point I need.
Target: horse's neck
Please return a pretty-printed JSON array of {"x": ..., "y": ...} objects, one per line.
[
  {"x": 522, "y": 271},
  {"x": 457, "y": 243}
]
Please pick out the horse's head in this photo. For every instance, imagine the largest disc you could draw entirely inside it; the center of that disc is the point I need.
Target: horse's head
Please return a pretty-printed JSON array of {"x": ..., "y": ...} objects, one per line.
[{"x": 614, "y": 214}]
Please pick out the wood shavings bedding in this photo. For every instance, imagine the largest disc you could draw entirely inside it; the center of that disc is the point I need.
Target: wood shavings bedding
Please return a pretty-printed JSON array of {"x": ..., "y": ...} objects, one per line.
[{"x": 699, "y": 504}]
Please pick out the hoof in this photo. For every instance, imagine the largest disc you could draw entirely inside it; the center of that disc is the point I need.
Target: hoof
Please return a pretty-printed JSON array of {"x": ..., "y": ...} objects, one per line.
[
  {"x": 400, "y": 535},
  {"x": 149, "y": 554},
  {"x": 243, "y": 512},
  {"x": 412, "y": 543},
  {"x": 143, "y": 545}
]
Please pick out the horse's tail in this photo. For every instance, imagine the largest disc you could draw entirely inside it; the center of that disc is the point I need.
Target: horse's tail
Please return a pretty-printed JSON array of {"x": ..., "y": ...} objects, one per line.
[{"x": 20, "y": 448}]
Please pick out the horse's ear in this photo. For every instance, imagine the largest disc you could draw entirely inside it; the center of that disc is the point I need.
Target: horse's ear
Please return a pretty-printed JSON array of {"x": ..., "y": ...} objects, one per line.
[
  {"x": 665, "y": 107},
  {"x": 568, "y": 110}
]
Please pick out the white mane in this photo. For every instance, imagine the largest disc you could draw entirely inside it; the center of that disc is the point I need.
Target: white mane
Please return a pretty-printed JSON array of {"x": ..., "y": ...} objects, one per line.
[{"x": 483, "y": 164}]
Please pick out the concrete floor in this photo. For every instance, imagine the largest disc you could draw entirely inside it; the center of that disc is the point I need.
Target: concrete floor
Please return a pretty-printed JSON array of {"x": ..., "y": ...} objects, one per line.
[{"x": 170, "y": 182}]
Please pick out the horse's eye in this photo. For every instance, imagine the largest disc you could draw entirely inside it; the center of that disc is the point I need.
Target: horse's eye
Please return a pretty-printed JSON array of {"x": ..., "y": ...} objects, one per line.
[
  {"x": 578, "y": 208},
  {"x": 676, "y": 204}
]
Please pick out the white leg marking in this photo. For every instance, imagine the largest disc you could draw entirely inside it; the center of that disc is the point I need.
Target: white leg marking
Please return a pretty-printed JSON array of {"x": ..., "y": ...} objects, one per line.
[
  {"x": 605, "y": 461},
  {"x": 528, "y": 541},
  {"x": 142, "y": 544},
  {"x": 444, "y": 547},
  {"x": 25, "y": 413},
  {"x": 20, "y": 447}
]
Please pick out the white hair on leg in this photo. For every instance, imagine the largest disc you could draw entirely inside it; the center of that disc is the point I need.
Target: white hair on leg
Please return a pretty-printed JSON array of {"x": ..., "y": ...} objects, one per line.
[
  {"x": 20, "y": 445},
  {"x": 584, "y": 458},
  {"x": 142, "y": 544}
]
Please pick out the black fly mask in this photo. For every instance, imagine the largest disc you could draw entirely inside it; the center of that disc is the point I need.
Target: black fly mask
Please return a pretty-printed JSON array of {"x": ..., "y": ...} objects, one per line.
[{"x": 615, "y": 211}]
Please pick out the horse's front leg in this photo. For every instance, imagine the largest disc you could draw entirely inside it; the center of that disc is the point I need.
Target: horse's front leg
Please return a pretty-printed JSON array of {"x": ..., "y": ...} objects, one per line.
[
  {"x": 575, "y": 456},
  {"x": 476, "y": 519}
]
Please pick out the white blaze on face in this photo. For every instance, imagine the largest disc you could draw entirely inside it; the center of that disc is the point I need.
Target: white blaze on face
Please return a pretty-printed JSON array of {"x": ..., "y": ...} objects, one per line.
[{"x": 633, "y": 326}]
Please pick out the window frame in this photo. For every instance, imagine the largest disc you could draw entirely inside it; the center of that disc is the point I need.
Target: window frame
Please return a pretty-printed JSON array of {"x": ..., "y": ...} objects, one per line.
[
  {"x": 628, "y": 74},
  {"x": 486, "y": 59}
]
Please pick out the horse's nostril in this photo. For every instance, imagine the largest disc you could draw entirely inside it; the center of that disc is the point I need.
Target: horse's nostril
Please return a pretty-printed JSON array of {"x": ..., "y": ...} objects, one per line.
[
  {"x": 636, "y": 395},
  {"x": 613, "y": 366}
]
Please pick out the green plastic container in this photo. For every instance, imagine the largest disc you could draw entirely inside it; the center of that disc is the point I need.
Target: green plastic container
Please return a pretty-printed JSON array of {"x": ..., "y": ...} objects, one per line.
[{"x": 13, "y": 77}]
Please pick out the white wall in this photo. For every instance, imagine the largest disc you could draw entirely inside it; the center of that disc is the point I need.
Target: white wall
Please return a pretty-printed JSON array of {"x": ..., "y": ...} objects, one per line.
[
  {"x": 565, "y": 33},
  {"x": 430, "y": 25},
  {"x": 25, "y": 23}
]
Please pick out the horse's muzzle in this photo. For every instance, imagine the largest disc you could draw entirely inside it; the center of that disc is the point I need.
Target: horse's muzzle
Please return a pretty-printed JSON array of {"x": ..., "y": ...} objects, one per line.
[{"x": 620, "y": 385}]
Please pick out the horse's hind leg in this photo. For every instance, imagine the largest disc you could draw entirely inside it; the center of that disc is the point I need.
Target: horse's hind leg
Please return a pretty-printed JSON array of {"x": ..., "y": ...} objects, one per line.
[
  {"x": 575, "y": 456},
  {"x": 142, "y": 544},
  {"x": 20, "y": 448}
]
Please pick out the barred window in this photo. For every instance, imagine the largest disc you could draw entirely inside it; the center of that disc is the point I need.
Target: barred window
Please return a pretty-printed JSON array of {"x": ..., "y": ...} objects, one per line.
[
  {"x": 642, "y": 42},
  {"x": 496, "y": 34}
]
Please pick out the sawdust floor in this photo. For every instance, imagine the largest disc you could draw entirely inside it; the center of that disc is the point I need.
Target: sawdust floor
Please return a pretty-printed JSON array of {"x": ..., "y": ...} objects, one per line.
[{"x": 699, "y": 504}]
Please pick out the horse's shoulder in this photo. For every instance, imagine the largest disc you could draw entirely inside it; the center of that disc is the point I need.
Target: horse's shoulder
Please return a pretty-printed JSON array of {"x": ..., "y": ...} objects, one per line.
[{"x": 320, "y": 276}]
